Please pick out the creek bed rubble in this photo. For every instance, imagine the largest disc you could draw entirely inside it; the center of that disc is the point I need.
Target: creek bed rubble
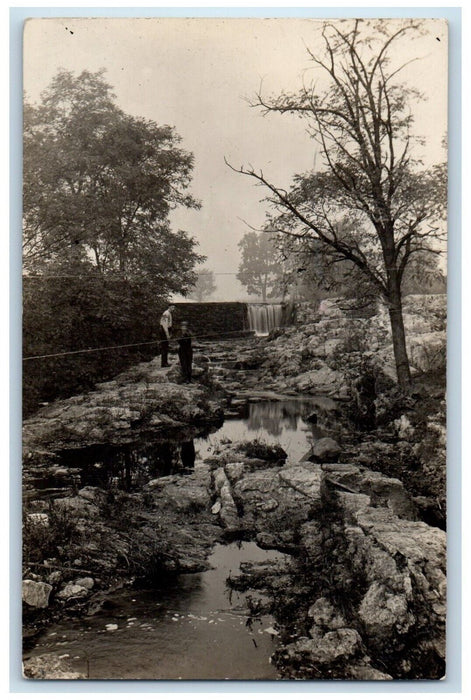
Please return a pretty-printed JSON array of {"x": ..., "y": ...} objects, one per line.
[{"x": 364, "y": 593}]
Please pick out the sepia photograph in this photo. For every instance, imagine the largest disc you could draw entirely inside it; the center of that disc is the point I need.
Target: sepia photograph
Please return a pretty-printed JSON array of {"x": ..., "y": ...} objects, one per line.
[{"x": 234, "y": 291}]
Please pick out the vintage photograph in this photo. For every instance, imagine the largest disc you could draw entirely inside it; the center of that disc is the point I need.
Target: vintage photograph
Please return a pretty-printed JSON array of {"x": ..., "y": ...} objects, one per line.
[{"x": 234, "y": 349}]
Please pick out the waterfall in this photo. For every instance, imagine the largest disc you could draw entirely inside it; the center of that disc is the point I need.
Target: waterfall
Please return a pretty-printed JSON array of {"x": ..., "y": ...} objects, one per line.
[{"x": 264, "y": 317}]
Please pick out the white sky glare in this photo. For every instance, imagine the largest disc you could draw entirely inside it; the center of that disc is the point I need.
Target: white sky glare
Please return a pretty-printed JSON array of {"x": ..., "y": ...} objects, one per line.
[{"x": 196, "y": 75}]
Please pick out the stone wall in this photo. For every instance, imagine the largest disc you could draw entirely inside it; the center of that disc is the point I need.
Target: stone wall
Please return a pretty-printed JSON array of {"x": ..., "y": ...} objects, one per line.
[{"x": 212, "y": 318}]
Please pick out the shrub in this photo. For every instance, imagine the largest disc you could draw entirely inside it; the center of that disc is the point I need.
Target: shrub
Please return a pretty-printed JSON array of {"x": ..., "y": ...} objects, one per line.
[
  {"x": 44, "y": 540},
  {"x": 261, "y": 450}
]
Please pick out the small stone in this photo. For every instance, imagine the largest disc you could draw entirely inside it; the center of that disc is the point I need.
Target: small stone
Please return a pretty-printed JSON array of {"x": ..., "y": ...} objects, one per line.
[
  {"x": 86, "y": 582},
  {"x": 325, "y": 450},
  {"x": 365, "y": 672},
  {"x": 311, "y": 418},
  {"x": 216, "y": 508},
  {"x": 38, "y": 519},
  {"x": 269, "y": 505},
  {"x": 61, "y": 471},
  {"x": 71, "y": 590},
  {"x": 52, "y": 667},
  {"x": 54, "y": 577},
  {"x": 111, "y": 627}
]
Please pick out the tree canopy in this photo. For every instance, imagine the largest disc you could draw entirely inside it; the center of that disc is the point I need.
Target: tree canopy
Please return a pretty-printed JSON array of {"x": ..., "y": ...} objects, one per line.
[
  {"x": 260, "y": 269},
  {"x": 204, "y": 286},
  {"x": 103, "y": 183}
]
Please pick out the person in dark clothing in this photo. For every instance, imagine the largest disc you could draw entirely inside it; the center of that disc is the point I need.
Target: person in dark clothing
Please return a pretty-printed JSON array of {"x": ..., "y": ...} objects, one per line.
[
  {"x": 165, "y": 330},
  {"x": 185, "y": 351},
  {"x": 188, "y": 454}
]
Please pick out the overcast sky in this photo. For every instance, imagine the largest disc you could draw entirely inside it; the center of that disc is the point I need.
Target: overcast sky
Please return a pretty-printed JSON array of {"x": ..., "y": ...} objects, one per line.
[{"x": 196, "y": 75}]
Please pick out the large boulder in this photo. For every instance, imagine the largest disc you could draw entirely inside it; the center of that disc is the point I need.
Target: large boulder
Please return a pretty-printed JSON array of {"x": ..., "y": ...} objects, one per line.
[
  {"x": 304, "y": 478},
  {"x": 324, "y": 450},
  {"x": 330, "y": 308},
  {"x": 323, "y": 380},
  {"x": 363, "y": 671},
  {"x": 383, "y": 611},
  {"x": 318, "y": 655},
  {"x": 394, "y": 565},
  {"x": 427, "y": 351},
  {"x": 403, "y": 563},
  {"x": 382, "y": 490},
  {"x": 325, "y": 616},
  {"x": 137, "y": 403},
  {"x": 36, "y": 593},
  {"x": 181, "y": 495},
  {"x": 251, "y": 495},
  {"x": 343, "y": 643}
]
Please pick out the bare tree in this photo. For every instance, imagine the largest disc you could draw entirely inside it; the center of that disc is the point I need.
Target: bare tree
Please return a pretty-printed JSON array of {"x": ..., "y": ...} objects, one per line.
[{"x": 361, "y": 122}]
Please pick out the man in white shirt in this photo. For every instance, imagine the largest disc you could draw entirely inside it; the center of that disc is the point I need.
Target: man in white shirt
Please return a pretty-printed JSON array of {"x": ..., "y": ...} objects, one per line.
[{"x": 165, "y": 329}]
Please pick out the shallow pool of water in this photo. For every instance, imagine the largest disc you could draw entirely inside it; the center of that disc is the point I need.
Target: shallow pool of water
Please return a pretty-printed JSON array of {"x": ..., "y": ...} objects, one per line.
[
  {"x": 272, "y": 422},
  {"x": 131, "y": 466},
  {"x": 193, "y": 627}
]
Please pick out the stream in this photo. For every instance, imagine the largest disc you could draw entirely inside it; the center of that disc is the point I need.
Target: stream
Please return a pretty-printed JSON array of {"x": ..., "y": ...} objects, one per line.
[
  {"x": 129, "y": 467},
  {"x": 192, "y": 626},
  {"x": 273, "y": 422}
]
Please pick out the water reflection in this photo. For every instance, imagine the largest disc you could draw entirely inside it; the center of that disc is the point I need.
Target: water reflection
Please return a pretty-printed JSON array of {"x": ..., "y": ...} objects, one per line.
[
  {"x": 274, "y": 417},
  {"x": 188, "y": 454},
  {"x": 273, "y": 422},
  {"x": 129, "y": 466}
]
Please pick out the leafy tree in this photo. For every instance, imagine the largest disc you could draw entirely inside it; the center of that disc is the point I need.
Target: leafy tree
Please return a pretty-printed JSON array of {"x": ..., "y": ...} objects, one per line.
[
  {"x": 260, "y": 270},
  {"x": 370, "y": 203},
  {"x": 313, "y": 273},
  {"x": 104, "y": 183},
  {"x": 204, "y": 286},
  {"x": 423, "y": 276},
  {"x": 100, "y": 256}
]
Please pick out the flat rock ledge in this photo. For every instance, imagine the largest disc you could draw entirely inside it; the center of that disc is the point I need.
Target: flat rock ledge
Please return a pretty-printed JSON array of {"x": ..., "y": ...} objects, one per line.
[
  {"x": 136, "y": 404},
  {"x": 390, "y": 596}
]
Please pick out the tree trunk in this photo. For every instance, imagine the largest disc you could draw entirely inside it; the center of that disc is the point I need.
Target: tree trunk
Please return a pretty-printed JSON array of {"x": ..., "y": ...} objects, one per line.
[{"x": 397, "y": 330}]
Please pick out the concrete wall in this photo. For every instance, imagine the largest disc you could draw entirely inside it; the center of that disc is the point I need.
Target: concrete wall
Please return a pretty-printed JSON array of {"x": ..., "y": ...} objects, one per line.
[{"x": 212, "y": 318}]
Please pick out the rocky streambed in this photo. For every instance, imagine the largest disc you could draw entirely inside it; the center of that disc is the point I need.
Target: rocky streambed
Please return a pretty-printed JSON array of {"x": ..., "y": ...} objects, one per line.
[{"x": 287, "y": 534}]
